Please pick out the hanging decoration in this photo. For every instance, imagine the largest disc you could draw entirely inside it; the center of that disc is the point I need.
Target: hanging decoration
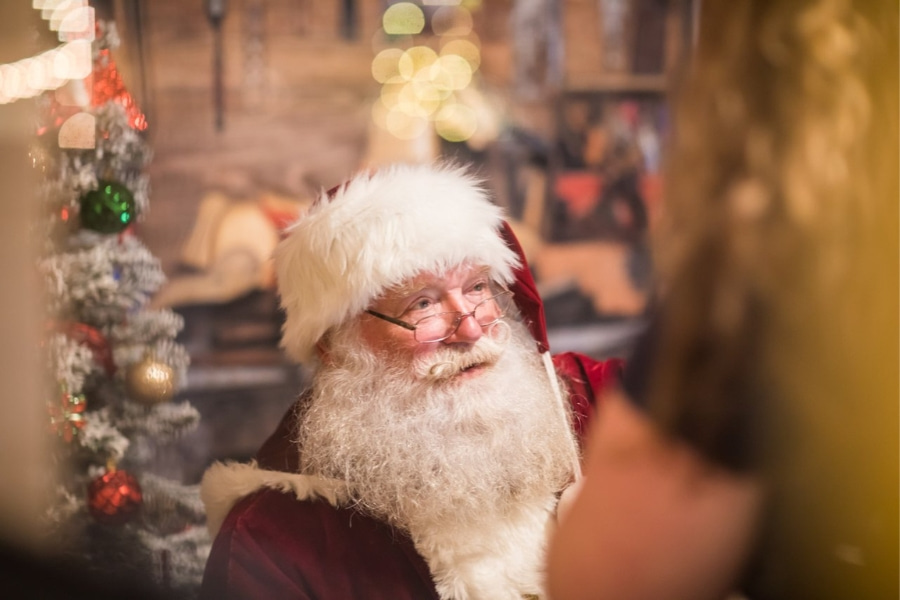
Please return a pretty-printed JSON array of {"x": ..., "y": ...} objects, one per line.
[
  {"x": 78, "y": 132},
  {"x": 150, "y": 381},
  {"x": 93, "y": 339},
  {"x": 108, "y": 209},
  {"x": 115, "y": 497},
  {"x": 109, "y": 87},
  {"x": 54, "y": 114},
  {"x": 215, "y": 12},
  {"x": 66, "y": 415}
]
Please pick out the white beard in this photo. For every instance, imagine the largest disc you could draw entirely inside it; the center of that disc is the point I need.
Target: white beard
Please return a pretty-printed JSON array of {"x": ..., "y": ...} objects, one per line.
[{"x": 470, "y": 468}]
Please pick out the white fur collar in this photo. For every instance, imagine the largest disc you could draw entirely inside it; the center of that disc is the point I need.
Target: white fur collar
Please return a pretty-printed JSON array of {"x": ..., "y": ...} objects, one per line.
[
  {"x": 224, "y": 484},
  {"x": 495, "y": 558}
]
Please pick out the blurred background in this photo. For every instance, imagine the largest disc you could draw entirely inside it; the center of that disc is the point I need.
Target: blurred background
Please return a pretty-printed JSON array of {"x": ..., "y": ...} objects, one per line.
[
  {"x": 254, "y": 106},
  {"x": 203, "y": 128}
]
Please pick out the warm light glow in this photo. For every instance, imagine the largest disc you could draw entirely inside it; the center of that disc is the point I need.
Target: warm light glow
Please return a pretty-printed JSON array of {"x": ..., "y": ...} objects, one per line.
[
  {"x": 78, "y": 24},
  {"x": 78, "y": 59},
  {"x": 52, "y": 6},
  {"x": 465, "y": 48},
  {"x": 457, "y": 70},
  {"x": 455, "y": 122},
  {"x": 440, "y": 80},
  {"x": 452, "y": 20},
  {"x": 64, "y": 10},
  {"x": 61, "y": 64},
  {"x": 52, "y": 69},
  {"x": 37, "y": 74},
  {"x": 390, "y": 91},
  {"x": 418, "y": 99},
  {"x": 403, "y": 18},
  {"x": 415, "y": 59},
  {"x": 421, "y": 89},
  {"x": 408, "y": 104},
  {"x": 12, "y": 83},
  {"x": 403, "y": 126},
  {"x": 429, "y": 94},
  {"x": 46, "y": 7},
  {"x": 385, "y": 65}
]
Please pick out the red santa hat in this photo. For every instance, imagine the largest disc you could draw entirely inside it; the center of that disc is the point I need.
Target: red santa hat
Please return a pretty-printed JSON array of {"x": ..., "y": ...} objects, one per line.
[{"x": 381, "y": 228}]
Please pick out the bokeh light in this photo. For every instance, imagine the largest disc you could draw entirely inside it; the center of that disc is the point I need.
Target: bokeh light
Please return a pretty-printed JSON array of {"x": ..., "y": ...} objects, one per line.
[
  {"x": 418, "y": 84},
  {"x": 457, "y": 69},
  {"x": 466, "y": 48},
  {"x": 414, "y": 60},
  {"x": 455, "y": 122},
  {"x": 385, "y": 65},
  {"x": 390, "y": 91},
  {"x": 404, "y": 126},
  {"x": 403, "y": 18}
]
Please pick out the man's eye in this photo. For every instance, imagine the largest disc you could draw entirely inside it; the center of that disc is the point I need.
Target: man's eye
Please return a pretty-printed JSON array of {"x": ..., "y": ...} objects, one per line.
[
  {"x": 479, "y": 289},
  {"x": 420, "y": 305}
]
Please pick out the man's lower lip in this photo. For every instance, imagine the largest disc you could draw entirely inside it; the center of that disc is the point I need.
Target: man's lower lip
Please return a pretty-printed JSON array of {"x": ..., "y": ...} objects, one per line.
[{"x": 472, "y": 371}]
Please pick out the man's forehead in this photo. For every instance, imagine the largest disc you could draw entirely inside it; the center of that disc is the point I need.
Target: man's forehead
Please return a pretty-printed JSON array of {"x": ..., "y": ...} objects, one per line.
[{"x": 451, "y": 277}]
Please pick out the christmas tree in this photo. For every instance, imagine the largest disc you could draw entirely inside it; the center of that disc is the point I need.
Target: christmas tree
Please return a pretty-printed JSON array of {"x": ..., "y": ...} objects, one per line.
[{"x": 114, "y": 363}]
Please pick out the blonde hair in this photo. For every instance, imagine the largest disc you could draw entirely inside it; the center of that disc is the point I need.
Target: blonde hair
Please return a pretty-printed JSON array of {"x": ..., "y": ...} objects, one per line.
[
  {"x": 781, "y": 189},
  {"x": 777, "y": 252}
]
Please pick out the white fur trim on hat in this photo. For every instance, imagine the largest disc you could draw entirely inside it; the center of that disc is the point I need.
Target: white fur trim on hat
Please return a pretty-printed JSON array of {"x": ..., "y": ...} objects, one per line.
[{"x": 378, "y": 230}]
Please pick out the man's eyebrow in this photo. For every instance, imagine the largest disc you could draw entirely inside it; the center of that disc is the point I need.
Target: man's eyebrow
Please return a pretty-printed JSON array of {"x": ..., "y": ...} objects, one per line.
[{"x": 403, "y": 290}]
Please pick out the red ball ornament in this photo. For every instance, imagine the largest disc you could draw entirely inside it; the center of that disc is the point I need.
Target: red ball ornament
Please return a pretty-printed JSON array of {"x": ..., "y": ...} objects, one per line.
[
  {"x": 109, "y": 87},
  {"x": 114, "y": 498},
  {"x": 93, "y": 339}
]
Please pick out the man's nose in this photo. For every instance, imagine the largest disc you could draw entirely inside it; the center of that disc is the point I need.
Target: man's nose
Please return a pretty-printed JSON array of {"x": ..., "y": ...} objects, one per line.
[{"x": 468, "y": 331}]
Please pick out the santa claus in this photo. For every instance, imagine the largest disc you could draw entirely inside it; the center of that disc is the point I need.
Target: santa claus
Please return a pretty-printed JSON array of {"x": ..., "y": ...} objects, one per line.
[{"x": 428, "y": 454}]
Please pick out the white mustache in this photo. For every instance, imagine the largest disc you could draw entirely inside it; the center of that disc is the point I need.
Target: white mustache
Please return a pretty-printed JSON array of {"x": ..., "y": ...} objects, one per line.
[{"x": 446, "y": 363}]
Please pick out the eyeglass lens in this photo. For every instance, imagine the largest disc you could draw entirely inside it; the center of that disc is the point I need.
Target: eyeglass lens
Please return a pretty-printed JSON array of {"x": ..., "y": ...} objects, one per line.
[{"x": 438, "y": 327}]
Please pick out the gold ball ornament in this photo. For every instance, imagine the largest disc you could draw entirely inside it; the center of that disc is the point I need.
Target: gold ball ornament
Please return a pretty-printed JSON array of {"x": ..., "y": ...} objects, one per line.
[{"x": 150, "y": 381}]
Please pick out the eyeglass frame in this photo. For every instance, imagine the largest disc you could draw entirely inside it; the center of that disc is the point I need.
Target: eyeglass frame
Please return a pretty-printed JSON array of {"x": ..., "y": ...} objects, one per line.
[{"x": 461, "y": 316}]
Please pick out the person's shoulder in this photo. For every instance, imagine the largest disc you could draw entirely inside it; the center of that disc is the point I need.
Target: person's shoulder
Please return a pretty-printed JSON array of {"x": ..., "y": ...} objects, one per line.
[
  {"x": 312, "y": 531},
  {"x": 270, "y": 513},
  {"x": 271, "y": 507}
]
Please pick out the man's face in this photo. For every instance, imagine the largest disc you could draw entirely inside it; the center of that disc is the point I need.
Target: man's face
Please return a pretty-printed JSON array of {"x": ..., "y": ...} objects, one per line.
[
  {"x": 459, "y": 290},
  {"x": 425, "y": 443}
]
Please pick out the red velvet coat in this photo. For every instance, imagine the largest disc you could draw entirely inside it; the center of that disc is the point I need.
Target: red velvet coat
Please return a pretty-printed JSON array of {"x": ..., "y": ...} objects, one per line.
[{"x": 284, "y": 543}]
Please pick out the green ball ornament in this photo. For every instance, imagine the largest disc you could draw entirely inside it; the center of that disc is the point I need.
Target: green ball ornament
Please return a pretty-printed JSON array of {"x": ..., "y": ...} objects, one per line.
[{"x": 108, "y": 209}]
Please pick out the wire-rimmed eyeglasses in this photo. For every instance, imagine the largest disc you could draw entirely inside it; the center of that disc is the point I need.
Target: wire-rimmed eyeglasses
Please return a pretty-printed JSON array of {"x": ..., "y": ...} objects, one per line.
[{"x": 439, "y": 326}]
